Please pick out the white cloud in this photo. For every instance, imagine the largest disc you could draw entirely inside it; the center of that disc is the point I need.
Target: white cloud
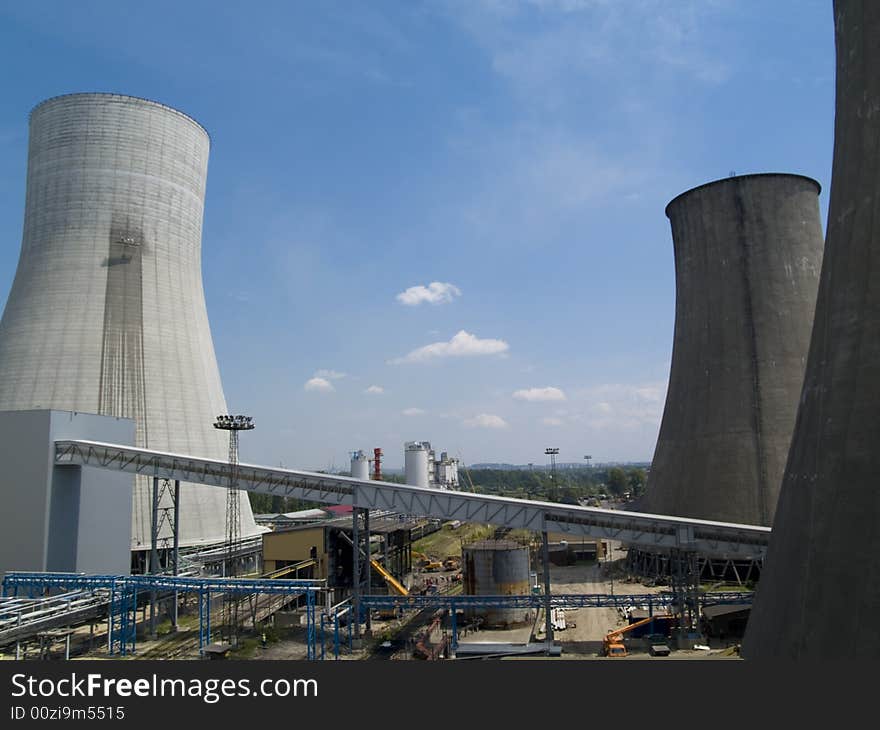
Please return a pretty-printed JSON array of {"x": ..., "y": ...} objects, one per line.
[
  {"x": 622, "y": 407},
  {"x": 539, "y": 394},
  {"x": 329, "y": 374},
  {"x": 486, "y": 420},
  {"x": 435, "y": 293},
  {"x": 463, "y": 344},
  {"x": 551, "y": 421},
  {"x": 321, "y": 385},
  {"x": 412, "y": 412},
  {"x": 375, "y": 390}
]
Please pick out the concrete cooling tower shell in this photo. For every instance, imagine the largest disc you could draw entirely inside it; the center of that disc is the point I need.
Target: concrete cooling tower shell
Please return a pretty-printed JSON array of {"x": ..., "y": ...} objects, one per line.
[
  {"x": 820, "y": 589},
  {"x": 748, "y": 251},
  {"x": 107, "y": 311}
]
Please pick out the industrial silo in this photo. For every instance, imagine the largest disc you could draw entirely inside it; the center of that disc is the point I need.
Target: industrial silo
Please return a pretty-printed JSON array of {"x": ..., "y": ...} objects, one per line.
[
  {"x": 107, "y": 312},
  {"x": 496, "y": 568},
  {"x": 820, "y": 590},
  {"x": 417, "y": 455},
  {"x": 360, "y": 465},
  {"x": 748, "y": 252}
]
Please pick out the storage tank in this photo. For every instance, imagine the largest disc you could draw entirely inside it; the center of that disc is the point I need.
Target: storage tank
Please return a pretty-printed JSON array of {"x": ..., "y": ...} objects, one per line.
[
  {"x": 416, "y": 467},
  {"x": 107, "y": 312},
  {"x": 820, "y": 588},
  {"x": 748, "y": 252},
  {"x": 360, "y": 465},
  {"x": 496, "y": 568}
]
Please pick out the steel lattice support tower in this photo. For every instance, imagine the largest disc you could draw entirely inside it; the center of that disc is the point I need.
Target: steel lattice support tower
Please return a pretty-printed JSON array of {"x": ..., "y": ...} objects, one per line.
[
  {"x": 232, "y": 424},
  {"x": 552, "y": 454}
]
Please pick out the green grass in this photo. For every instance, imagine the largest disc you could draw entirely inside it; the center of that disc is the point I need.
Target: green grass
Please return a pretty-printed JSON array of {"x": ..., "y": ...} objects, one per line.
[{"x": 448, "y": 541}]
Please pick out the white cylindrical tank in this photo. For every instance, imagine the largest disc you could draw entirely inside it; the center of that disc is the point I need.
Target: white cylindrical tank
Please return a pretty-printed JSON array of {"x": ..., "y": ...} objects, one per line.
[
  {"x": 416, "y": 466},
  {"x": 107, "y": 312},
  {"x": 360, "y": 465}
]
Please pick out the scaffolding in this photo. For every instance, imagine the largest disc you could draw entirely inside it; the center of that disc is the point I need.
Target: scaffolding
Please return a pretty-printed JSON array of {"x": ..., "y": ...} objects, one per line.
[{"x": 126, "y": 589}]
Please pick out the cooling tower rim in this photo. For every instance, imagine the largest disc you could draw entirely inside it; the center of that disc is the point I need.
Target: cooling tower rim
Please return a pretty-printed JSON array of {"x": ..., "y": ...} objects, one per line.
[
  {"x": 742, "y": 177},
  {"x": 128, "y": 97}
]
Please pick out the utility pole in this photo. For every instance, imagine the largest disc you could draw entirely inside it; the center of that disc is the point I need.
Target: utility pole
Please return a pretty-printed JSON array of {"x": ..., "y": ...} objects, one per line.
[{"x": 233, "y": 424}]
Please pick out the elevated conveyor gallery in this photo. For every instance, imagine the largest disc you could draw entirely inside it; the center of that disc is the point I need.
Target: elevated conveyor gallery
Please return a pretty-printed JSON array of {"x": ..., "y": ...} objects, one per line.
[{"x": 658, "y": 532}]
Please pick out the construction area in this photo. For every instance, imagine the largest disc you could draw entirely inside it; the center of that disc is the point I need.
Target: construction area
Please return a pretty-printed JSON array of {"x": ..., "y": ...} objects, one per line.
[{"x": 469, "y": 592}]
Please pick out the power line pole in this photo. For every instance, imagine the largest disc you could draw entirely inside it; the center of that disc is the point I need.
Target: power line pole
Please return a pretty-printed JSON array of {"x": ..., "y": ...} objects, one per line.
[{"x": 233, "y": 424}]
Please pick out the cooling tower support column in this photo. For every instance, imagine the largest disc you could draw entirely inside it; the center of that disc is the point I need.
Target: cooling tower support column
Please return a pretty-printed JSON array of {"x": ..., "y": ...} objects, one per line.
[
  {"x": 748, "y": 252},
  {"x": 820, "y": 590}
]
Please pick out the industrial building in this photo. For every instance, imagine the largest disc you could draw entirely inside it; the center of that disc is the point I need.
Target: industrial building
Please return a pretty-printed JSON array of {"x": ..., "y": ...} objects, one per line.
[
  {"x": 107, "y": 311},
  {"x": 423, "y": 469},
  {"x": 330, "y": 544}
]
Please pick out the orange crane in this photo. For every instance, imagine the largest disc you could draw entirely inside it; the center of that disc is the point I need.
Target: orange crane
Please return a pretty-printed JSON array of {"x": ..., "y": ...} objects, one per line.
[{"x": 613, "y": 645}]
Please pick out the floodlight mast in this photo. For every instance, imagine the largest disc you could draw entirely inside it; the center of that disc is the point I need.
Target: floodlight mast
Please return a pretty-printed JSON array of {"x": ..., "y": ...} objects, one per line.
[{"x": 233, "y": 424}]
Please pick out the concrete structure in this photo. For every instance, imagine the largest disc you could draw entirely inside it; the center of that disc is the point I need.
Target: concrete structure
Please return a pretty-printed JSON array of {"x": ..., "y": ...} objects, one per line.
[
  {"x": 59, "y": 518},
  {"x": 820, "y": 590},
  {"x": 748, "y": 252},
  {"x": 417, "y": 457},
  {"x": 360, "y": 465},
  {"x": 107, "y": 312},
  {"x": 496, "y": 568}
]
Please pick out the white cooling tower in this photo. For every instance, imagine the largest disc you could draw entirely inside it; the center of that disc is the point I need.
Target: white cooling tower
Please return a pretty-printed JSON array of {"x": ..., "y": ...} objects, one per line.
[{"x": 107, "y": 311}]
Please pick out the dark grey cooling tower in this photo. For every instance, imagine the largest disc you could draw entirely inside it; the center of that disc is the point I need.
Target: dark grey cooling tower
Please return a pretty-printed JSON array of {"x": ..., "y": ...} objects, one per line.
[
  {"x": 748, "y": 252},
  {"x": 820, "y": 590}
]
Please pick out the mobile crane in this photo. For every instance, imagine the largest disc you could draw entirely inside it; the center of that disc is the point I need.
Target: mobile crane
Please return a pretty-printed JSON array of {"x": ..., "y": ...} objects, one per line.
[{"x": 612, "y": 644}]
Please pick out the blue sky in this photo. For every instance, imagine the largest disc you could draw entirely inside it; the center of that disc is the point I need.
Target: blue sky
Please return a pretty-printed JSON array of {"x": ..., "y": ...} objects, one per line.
[{"x": 516, "y": 154}]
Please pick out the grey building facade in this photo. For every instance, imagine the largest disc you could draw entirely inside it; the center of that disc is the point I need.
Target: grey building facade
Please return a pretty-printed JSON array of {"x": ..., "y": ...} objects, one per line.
[{"x": 59, "y": 518}]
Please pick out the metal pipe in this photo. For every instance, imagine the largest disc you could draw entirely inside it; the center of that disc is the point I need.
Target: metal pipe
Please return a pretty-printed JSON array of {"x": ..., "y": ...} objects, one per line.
[
  {"x": 176, "y": 549},
  {"x": 154, "y": 552},
  {"x": 548, "y": 620},
  {"x": 368, "y": 568},
  {"x": 356, "y": 570}
]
